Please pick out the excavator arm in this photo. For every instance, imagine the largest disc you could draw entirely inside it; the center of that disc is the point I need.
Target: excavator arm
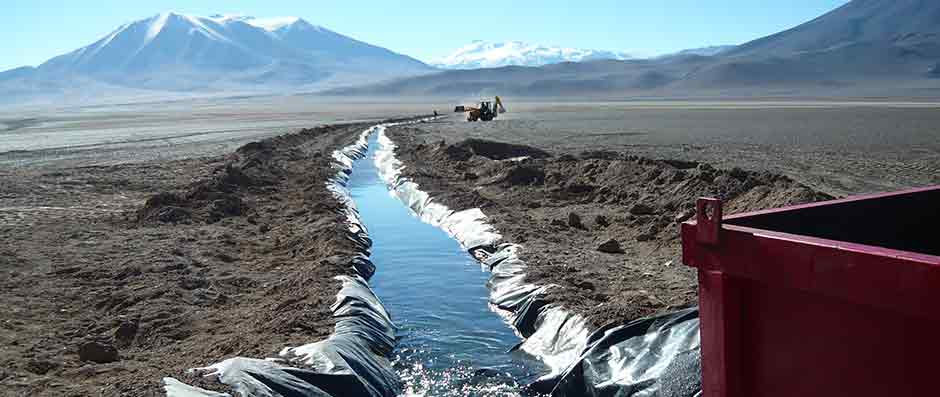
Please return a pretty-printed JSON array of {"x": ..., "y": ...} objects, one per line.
[{"x": 499, "y": 105}]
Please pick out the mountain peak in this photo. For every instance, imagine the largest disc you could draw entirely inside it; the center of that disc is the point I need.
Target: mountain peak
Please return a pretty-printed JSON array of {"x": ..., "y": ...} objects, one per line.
[{"x": 270, "y": 24}]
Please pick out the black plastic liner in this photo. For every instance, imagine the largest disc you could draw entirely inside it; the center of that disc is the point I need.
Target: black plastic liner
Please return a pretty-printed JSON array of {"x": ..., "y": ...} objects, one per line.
[
  {"x": 657, "y": 356},
  {"x": 349, "y": 362},
  {"x": 353, "y": 361}
]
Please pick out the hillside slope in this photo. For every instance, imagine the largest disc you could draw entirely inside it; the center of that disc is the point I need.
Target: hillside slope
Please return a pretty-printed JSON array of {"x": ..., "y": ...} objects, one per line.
[
  {"x": 898, "y": 22},
  {"x": 864, "y": 48},
  {"x": 863, "y": 43}
]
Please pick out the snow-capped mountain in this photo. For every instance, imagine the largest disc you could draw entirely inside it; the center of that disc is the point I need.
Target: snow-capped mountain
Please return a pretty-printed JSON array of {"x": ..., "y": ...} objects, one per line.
[
  {"x": 173, "y": 51},
  {"x": 481, "y": 54}
]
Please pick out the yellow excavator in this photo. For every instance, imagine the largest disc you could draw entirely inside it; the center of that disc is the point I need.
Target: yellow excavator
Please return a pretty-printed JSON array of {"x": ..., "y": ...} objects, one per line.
[{"x": 488, "y": 110}]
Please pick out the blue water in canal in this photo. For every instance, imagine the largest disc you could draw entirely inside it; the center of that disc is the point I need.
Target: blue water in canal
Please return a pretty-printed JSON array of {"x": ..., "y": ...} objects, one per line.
[{"x": 451, "y": 344}]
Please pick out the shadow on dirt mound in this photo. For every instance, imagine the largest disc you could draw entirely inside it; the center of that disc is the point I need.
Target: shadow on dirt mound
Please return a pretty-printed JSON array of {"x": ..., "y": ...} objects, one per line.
[
  {"x": 518, "y": 175},
  {"x": 492, "y": 150}
]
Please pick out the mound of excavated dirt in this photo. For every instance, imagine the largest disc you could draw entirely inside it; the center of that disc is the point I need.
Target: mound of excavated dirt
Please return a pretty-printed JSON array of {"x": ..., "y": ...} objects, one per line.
[
  {"x": 601, "y": 225},
  {"x": 107, "y": 286},
  {"x": 492, "y": 150},
  {"x": 252, "y": 168}
]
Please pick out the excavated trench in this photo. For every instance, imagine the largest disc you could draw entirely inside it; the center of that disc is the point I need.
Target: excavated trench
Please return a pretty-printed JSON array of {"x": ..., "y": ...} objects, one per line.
[
  {"x": 444, "y": 339},
  {"x": 450, "y": 342}
]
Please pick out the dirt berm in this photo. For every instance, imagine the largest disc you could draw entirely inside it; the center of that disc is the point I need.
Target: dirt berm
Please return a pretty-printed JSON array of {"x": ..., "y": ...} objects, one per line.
[
  {"x": 601, "y": 225},
  {"x": 113, "y": 277}
]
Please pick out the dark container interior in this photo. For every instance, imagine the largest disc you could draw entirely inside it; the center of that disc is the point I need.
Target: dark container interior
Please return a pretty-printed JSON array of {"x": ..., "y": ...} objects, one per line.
[{"x": 903, "y": 222}]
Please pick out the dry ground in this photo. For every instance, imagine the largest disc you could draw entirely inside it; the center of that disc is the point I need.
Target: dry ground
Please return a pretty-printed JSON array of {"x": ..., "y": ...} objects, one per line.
[
  {"x": 175, "y": 264},
  {"x": 839, "y": 148}
]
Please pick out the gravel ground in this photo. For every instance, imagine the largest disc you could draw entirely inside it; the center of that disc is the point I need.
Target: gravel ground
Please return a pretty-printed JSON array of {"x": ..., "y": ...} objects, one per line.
[{"x": 112, "y": 277}]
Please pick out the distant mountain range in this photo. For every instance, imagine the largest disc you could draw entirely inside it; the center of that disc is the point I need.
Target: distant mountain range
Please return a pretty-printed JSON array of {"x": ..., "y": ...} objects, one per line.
[
  {"x": 481, "y": 54},
  {"x": 177, "y": 52},
  {"x": 865, "y": 48}
]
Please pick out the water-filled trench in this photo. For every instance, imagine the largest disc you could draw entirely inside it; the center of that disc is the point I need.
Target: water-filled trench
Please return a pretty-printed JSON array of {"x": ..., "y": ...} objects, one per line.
[{"x": 450, "y": 342}]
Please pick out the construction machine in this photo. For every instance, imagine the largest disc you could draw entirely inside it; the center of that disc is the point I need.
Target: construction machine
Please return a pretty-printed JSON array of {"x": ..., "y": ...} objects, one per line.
[{"x": 488, "y": 110}]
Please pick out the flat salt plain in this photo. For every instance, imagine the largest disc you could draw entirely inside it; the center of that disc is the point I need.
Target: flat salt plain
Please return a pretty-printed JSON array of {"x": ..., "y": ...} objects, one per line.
[
  {"x": 839, "y": 146},
  {"x": 114, "y": 134}
]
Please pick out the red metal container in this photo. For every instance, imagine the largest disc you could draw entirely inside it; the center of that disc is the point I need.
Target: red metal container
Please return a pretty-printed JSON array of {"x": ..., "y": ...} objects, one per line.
[{"x": 839, "y": 298}]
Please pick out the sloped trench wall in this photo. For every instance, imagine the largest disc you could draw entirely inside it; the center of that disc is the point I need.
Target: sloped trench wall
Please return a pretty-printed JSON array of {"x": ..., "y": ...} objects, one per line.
[{"x": 353, "y": 360}]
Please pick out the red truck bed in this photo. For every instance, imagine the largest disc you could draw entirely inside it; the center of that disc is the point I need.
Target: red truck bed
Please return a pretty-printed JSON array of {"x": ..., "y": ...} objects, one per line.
[{"x": 838, "y": 298}]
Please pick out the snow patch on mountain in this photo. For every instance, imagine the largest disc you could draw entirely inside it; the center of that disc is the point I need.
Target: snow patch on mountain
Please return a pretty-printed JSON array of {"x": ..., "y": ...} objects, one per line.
[
  {"x": 269, "y": 24},
  {"x": 104, "y": 42},
  {"x": 481, "y": 54},
  {"x": 156, "y": 26},
  {"x": 272, "y": 24},
  {"x": 202, "y": 25}
]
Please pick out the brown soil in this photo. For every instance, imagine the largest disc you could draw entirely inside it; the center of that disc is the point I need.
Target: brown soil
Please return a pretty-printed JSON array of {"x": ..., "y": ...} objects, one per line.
[
  {"x": 174, "y": 264},
  {"x": 563, "y": 208}
]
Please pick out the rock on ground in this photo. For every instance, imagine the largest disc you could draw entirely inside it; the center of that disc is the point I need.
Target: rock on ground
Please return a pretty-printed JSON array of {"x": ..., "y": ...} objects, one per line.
[
  {"x": 610, "y": 246},
  {"x": 98, "y": 352}
]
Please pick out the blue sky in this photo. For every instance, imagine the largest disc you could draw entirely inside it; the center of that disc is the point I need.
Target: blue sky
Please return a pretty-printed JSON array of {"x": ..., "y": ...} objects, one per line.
[{"x": 36, "y": 30}]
